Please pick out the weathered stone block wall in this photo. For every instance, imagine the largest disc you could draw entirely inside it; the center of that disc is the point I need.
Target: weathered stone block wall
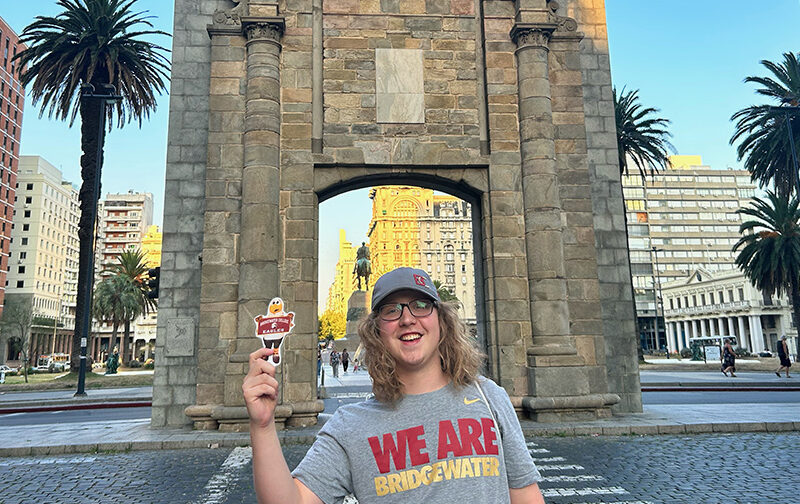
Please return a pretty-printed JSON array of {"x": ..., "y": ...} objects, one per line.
[
  {"x": 507, "y": 270},
  {"x": 445, "y": 32},
  {"x": 184, "y": 203},
  {"x": 609, "y": 226}
]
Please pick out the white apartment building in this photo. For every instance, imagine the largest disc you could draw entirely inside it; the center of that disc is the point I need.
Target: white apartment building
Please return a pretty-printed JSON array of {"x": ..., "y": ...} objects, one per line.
[
  {"x": 44, "y": 250},
  {"x": 681, "y": 219},
  {"x": 124, "y": 220},
  {"x": 725, "y": 303}
]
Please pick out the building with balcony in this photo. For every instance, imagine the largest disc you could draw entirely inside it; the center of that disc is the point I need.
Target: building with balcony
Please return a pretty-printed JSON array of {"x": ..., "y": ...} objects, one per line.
[
  {"x": 12, "y": 101},
  {"x": 124, "y": 221},
  {"x": 413, "y": 226},
  {"x": 725, "y": 303},
  {"x": 681, "y": 219},
  {"x": 43, "y": 258}
]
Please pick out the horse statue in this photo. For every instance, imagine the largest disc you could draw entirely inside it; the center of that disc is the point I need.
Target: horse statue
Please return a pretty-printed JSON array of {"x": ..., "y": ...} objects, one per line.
[{"x": 363, "y": 266}]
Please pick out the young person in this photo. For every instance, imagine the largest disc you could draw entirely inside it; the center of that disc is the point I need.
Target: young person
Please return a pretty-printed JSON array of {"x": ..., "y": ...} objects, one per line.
[{"x": 434, "y": 432}]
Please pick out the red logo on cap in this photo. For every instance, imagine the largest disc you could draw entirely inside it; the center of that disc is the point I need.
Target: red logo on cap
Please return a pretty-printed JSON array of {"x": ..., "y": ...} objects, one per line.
[{"x": 419, "y": 280}]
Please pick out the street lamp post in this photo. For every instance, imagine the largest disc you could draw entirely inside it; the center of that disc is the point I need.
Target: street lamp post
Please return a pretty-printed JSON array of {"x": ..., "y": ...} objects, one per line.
[
  {"x": 656, "y": 294},
  {"x": 88, "y": 92}
]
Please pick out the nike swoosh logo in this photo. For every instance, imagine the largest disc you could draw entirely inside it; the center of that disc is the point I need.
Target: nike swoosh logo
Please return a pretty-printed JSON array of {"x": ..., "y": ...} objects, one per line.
[{"x": 470, "y": 401}]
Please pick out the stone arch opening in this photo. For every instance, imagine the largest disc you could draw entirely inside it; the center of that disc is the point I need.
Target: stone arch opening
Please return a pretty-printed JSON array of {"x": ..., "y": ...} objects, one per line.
[{"x": 459, "y": 188}]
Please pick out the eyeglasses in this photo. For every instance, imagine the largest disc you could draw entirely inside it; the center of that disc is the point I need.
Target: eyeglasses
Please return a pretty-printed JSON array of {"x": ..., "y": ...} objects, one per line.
[{"x": 417, "y": 307}]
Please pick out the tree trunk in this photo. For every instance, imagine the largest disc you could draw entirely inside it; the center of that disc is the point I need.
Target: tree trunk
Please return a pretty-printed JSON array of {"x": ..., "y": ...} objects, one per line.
[
  {"x": 112, "y": 343},
  {"x": 91, "y": 135},
  {"x": 795, "y": 295},
  {"x": 127, "y": 345}
]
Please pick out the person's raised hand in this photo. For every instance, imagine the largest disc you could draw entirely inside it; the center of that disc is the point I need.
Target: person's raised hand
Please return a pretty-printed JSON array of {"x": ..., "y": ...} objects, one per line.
[{"x": 260, "y": 389}]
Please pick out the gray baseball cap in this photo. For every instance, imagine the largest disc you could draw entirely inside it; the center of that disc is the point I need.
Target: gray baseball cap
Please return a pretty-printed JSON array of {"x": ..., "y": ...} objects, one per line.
[{"x": 403, "y": 279}]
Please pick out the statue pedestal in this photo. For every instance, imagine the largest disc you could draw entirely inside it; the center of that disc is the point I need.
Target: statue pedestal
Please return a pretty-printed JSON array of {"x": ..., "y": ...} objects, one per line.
[{"x": 356, "y": 309}]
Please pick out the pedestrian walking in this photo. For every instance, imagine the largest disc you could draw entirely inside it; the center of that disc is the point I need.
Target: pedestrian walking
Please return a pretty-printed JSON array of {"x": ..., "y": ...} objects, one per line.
[
  {"x": 783, "y": 357},
  {"x": 728, "y": 359},
  {"x": 335, "y": 363},
  {"x": 319, "y": 360},
  {"x": 345, "y": 359},
  {"x": 456, "y": 432}
]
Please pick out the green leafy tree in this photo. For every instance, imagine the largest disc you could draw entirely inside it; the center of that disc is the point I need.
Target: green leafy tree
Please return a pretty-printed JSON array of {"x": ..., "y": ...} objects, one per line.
[
  {"x": 116, "y": 301},
  {"x": 93, "y": 43},
  {"x": 643, "y": 138},
  {"x": 444, "y": 293},
  {"x": 332, "y": 323},
  {"x": 769, "y": 249},
  {"x": 17, "y": 319},
  {"x": 132, "y": 264},
  {"x": 762, "y": 130}
]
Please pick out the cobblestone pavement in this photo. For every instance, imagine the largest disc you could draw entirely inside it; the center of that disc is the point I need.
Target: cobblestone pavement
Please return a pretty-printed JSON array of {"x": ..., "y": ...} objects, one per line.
[{"x": 713, "y": 468}]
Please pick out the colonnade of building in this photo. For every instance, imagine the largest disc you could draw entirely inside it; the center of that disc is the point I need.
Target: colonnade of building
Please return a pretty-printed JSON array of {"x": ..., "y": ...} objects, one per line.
[
  {"x": 747, "y": 329},
  {"x": 44, "y": 344}
]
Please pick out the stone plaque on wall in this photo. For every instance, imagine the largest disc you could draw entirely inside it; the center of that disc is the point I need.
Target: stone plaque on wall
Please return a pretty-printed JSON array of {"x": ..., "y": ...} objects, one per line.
[
  {"x": 399, "y": 87},
  {"x": 180, "y": 338}
]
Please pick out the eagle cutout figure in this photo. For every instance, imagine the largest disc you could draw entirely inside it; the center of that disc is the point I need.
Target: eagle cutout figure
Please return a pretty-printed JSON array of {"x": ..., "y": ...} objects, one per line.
[{"x": 273, "y": 327}]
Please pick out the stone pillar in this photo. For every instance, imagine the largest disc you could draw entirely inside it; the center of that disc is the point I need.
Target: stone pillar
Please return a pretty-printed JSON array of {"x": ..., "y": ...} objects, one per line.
[
  {"x": 671, "y": 337},
  {"x": 259, "y": 277},
  {"x": 687, "y": 333},
  {"x": 712, "y": 326},
  {"x": 732, "y": 329},
  {"x": 743, "y": 339},
  {"x": 553, "y": 358},
  {"x": 703, "y": 332},
  {"x": 757, "y": 333}
]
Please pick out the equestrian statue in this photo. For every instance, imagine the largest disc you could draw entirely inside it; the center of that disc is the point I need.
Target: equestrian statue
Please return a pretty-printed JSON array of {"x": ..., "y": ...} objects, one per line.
[{"x": 363, "y": 266}]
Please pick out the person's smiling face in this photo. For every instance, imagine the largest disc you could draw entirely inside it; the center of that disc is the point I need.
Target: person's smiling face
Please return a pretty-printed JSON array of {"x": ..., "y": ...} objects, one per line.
[{"x": 412, "y": 341}]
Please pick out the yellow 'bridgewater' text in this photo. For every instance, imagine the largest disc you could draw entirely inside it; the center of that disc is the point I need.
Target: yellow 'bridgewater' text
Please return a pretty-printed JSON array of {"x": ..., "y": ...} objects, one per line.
[{"x": 467, "y": 467}]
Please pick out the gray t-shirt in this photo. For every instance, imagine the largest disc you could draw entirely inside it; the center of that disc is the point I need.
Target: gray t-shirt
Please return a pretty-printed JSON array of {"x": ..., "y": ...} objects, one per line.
[{"x": 438, "y": 447}]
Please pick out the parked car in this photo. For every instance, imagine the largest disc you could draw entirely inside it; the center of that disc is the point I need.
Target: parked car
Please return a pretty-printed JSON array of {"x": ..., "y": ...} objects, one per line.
[{"x": 6, "y": 369}]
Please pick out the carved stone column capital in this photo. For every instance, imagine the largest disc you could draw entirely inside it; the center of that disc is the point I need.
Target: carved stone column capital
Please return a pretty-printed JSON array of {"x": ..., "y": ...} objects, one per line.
[
  {"x": 264, "y": 29},
  {"x": 531, "y": 35}
]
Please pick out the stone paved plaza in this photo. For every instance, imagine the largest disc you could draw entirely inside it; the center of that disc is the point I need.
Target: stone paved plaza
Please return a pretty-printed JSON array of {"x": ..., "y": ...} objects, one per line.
[{"x": 731, "y": 468}]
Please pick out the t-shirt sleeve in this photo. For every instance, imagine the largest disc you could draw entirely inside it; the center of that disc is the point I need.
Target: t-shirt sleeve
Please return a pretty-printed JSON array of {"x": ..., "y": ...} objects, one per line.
[
  {"x": 325, "y": 469},
  {"x": 519, "y": 466}
]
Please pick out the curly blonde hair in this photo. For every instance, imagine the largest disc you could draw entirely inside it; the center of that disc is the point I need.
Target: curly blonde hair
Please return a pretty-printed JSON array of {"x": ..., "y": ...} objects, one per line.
[{"x": 459, "y": 358}]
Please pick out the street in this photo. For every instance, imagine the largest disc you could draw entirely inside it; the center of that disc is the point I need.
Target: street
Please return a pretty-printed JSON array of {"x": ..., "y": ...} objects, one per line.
[{"x": 708, "y": 468}]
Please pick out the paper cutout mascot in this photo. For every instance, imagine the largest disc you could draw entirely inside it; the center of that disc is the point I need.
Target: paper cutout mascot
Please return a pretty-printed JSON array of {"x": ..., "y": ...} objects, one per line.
[{"x": 273, "y": 327}]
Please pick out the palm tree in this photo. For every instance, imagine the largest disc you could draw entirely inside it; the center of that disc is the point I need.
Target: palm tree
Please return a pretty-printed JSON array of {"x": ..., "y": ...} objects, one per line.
[
  {"x": 643, "y": 139},
  {"x": 96, "y": 44},
  {"x": 640, "y": 137},
  {"x": 770, "y": 247},
  {"x": 763, "y": 130},
  {"x": 132, "y": 264},
  {"x": 116, "y": 301}
]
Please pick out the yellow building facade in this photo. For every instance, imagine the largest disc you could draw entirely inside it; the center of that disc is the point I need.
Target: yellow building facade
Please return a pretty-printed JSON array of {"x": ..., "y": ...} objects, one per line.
[
  {"x": 412, "y": 226},
  {"x": 151, "y": 246},
  {"x": 343, "y": 281}
]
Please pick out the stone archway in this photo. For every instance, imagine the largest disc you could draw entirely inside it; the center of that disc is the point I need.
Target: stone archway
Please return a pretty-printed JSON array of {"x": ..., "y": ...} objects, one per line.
[{"x": 280, "y": 109}]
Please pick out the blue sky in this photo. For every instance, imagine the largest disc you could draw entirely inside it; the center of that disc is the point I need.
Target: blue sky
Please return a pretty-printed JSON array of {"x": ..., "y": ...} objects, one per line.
[{"x": 687, "y": 58}]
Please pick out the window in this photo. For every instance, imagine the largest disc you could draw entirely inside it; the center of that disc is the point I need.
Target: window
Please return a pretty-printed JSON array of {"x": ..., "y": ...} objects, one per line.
[
  {"x": 21, "y": 269},
  {"x": 25, "y": 241},
  {"x": 29, "y": 187},
  {"x": 26, "y": 227},
  {"x": 27, "y": 213},
  {"x": 20, "y": 284}
]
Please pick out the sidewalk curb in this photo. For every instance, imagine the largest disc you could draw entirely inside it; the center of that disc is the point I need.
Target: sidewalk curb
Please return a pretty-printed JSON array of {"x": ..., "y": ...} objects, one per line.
[
  {"x": 28, "y": 407},
  {"x": 306, "y": 437}
]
